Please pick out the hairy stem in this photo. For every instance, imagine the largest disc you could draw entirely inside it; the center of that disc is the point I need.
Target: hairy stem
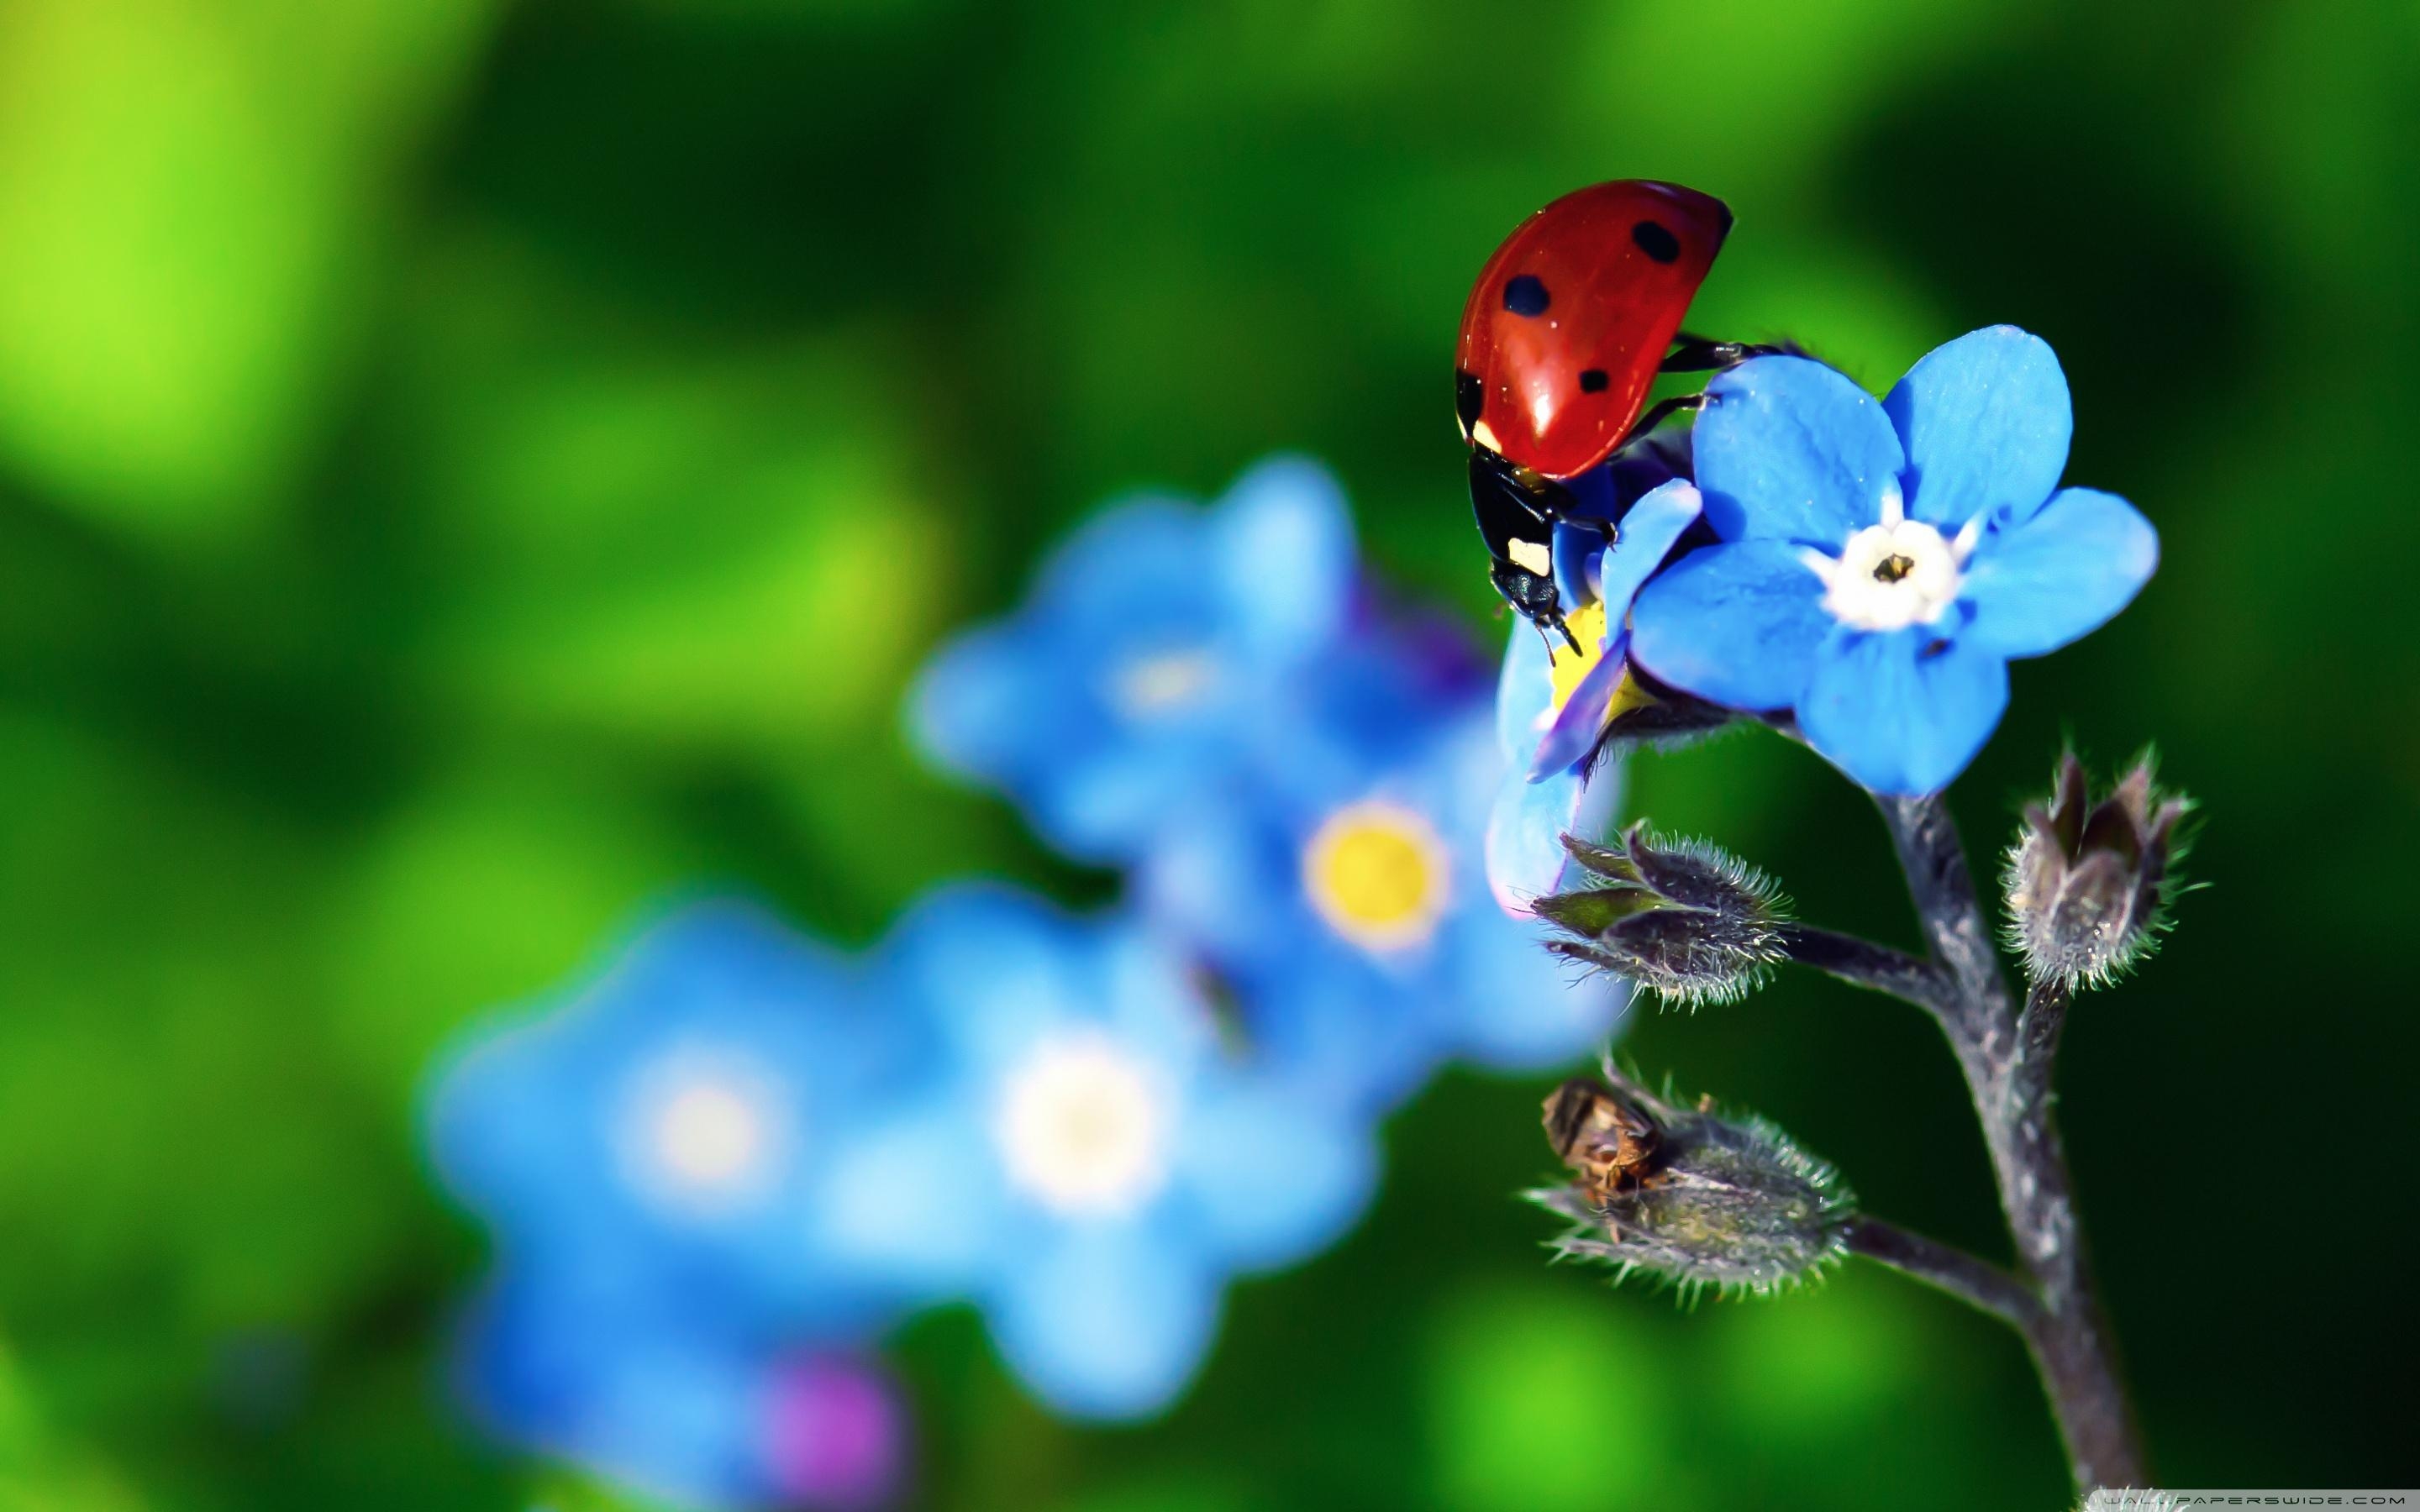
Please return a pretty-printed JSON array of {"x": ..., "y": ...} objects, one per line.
[
  {"x": 1978, "y": 1283},
  {"x": 1864, "y": 964},
  {"x": 2006, "y": 1060}
]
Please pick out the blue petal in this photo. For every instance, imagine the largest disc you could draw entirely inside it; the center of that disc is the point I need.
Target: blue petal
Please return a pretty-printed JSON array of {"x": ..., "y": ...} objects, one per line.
[
  {"x": 914, "y": 1204},
  {"x": 1576, "y": 551},
  {"x": 1105, "y": 803},
  {"x": 1902, "y": 712},
  {"x": 1283, "y": 545},
  {"x": 1985, "y": 420},
  {"x": 655, "y": 1398},
  {"x": 1653, "y": 526},
  {"x": 1525, "y": 851},
  {"x": 1523, "y": 1009},
  {"x": 1523, "y": 690},
  {"x": 971, "y": 711},
  {"x": 1226, "y": 883},
  {"x": 1789, "y": 450},
  {"x": 1271, "y": 1181},
  {"x": 992, "y": 967},
  {"x": 1573, "y": 732},
  {"x": 1141, "y": 558},
  {"x": 1109, "y": 1321},
  {"x": 2059, "y": 576},
  {"x": 1737, "y": 625},
  {"x": 1327, "y": 1022},
  {"x": 1525, "y": 830}
]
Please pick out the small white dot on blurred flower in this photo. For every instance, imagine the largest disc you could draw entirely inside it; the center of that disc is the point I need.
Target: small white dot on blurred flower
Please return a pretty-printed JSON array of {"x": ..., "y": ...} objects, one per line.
[
  {"x": 1163, "y": 682},
  {"x": 1082, "y": 1125},
  {"x": 1378, "y": 874},
  {"x": 703, "y": 1131}
]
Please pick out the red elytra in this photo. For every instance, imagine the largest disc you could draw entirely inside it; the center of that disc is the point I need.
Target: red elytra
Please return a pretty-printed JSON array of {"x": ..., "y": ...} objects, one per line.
[{"x": 1570, "y": 319}]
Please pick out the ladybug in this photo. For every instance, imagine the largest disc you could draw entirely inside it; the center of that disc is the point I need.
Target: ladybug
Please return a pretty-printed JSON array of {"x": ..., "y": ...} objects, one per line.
[{"x": 1567, "y": 326}]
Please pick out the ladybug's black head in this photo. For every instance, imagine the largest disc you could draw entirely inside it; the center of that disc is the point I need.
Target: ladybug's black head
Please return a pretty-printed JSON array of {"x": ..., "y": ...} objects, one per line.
[{"x": 1517, "y": 524}]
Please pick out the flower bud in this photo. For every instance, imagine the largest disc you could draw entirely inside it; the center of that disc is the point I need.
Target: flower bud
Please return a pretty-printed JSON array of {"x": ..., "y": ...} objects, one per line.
[
  {"x": 2088, "y": 884},
  {"x": 1683, "y": 1194},
  {"x": 1679, "y": 917}
]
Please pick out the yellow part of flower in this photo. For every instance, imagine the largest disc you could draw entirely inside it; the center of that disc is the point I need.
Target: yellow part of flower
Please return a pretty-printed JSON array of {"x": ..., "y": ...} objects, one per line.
[
  {"x": 1378, "y": 874},
  {"x": 1568, "y": 667}
]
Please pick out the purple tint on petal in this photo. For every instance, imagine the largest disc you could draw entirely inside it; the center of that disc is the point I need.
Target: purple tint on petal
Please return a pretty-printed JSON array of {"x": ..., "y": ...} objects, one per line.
[
  {"x": 835, "y": 1436},
  {"x": 1574, "y": 730}
]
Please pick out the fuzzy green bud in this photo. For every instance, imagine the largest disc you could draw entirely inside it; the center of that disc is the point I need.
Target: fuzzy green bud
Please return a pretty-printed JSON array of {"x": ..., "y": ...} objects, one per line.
[
  {"x": 2088, "y": 884},
  {"x": 1678, "y": 917}
]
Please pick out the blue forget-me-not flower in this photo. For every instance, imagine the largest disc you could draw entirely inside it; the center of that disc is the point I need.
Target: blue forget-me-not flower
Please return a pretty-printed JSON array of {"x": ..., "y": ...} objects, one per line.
[
  {"x": 1880, "y": 564},
  {"x": 1138, "y": 664},
  {"x": 667, "y": 1126},
  {"x": 1085, "y": 1162}
]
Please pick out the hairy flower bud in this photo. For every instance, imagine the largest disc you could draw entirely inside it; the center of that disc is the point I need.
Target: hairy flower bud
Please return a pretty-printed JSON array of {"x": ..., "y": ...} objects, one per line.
[
  {"x": 1684, "y": 1193},
  {"x": 2088, "y": 884},
  {"x": 1679, "y": 917}
]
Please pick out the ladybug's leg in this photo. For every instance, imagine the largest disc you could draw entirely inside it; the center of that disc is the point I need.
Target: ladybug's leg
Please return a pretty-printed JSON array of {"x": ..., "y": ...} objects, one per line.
[
  {"x": 1695, "y": 354},
  {"x": 1684, "y": 404}
]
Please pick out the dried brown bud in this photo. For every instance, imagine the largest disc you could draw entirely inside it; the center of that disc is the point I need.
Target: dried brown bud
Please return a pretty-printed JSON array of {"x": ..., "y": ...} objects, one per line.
[{"x": 1684, "y": 1193}]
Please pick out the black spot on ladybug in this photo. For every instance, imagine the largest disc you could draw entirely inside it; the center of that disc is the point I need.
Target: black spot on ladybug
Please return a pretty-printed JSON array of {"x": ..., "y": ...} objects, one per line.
[
  {"x": 1525, "y": 295},
  {"x": 1469, "y": 396},
  {"x": 1655, "y": 240},
  {"x": 1594, "y": 380}
]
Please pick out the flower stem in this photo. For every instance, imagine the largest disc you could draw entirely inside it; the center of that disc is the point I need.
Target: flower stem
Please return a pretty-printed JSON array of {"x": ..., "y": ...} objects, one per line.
[
  {"x": 1978, "y": 1283},
  {"x": 2006, "y": 1059},
  {"x": 1864, "y": 964}
]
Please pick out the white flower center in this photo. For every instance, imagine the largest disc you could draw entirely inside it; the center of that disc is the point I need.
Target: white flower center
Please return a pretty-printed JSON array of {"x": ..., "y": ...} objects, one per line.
[
  {"x": 1378, "y": 874},
  {"x": 1082, "y": 1126},
  {"x": 705, "y": 1134},
  {"x": 1893, "y": 575},
  {"x": 1163, "y": 682}
]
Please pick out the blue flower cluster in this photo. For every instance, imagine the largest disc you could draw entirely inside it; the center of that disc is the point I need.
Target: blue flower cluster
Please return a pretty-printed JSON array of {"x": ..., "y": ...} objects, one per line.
[
  {"x": 1860, "y": 572},
  {"x": 719, "y": 1169},
  {"x": 1300, "y": 784}
]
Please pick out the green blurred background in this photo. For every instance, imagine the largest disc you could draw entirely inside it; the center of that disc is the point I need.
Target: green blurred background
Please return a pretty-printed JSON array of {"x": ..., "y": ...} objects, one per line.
[{"x": 468, "y": 468}]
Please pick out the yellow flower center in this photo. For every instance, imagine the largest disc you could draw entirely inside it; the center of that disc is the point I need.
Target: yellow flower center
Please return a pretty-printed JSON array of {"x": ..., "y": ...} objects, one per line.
[
  {"x": 1569, "y": 667},
  {"x": 1587, "y": 626},
  {"x": 1378, "y": 874}
]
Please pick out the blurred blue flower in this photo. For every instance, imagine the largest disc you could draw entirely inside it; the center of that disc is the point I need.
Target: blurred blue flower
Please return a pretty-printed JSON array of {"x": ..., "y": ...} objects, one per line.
[
  {"x": 1879, "y": 564},
  {"x": 1141, "y": 663},
  {"x": 1343, "y": 897},
  {"x": 637, "y": 1388},
  {"x": 665, "y": 1129},
  {"x": 1085, "y": 1163}
]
